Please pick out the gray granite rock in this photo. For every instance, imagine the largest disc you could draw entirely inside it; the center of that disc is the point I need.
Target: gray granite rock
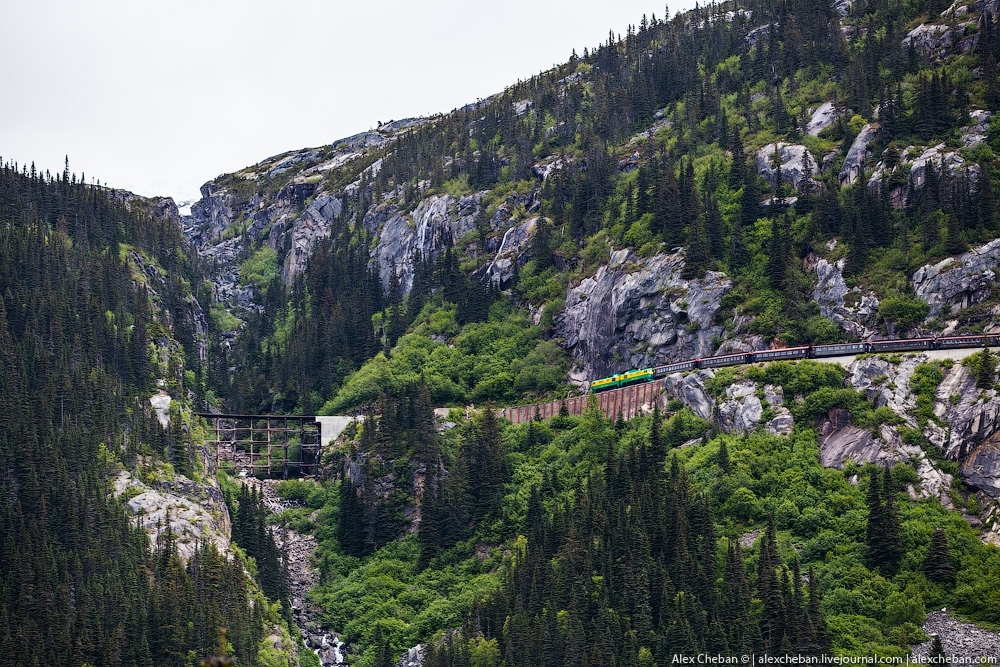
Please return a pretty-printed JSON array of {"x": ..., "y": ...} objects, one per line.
[
  {"x": 958, "y": 282},
  {"x": 798, "y": 166},
  {"x": 857, "y": 155},
  {"x": 741, "y": 410},
  {"x": 690, "y": 390},
  {"x": 193, "y": 512},
  {"x": 830, "y": 293},
  {"x": 959, "y": 639},
  {"x": 435, "y": 223},
  {"x": 823, "y": 117},
  {"x": 639, "y": 312},
  {"x": 978, "y": 128}
]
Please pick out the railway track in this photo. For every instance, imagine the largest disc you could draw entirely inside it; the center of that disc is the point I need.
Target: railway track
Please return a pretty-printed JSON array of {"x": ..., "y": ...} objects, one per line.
[{"x": 637, "y": 388}]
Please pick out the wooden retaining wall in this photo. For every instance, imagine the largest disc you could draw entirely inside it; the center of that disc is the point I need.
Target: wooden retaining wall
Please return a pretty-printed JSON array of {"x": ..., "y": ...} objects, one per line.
[{"x": 628, "y": 400}]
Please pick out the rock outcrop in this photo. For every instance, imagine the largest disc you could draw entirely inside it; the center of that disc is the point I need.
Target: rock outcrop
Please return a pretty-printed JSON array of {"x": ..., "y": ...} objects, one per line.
[
  {"x": 978, "y": 128},
  {"x": 514, "y": 243},
  {"x": 857, "y": 155},
  {"x": 436, "y": 222},
  {"x": 636, "y": 313},
  {"x": 964, "y": 427},
  {"x": 313, "y": 225},
  {"x": 797, "y": 165},
  {"x": 940, "y": 40},
  {"x": 841, "y": 441},
  {"x": 829, "y": 294},
  {"x": 905, "y": 177},
  {"x": 193, "y": 512},
  {"x": 971, "y": 415},
  {"x": 887, "y": 384},
  {"x": 958, "y": 282},
  {"x": 741, "y": 409},
  {"x": 690, "y": 389},
  {"x": 823, "y": 117}
]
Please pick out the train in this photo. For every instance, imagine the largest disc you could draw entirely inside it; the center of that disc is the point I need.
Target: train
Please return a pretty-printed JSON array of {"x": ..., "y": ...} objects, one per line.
[{"x": 636, "y": 376}]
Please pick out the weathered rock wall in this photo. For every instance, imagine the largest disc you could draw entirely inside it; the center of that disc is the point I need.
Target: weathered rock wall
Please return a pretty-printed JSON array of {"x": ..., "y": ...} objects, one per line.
[{"x": 637, "y": 313}]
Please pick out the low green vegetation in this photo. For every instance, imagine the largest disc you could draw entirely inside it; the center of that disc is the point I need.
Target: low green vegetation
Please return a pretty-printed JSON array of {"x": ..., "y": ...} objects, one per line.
[
  {"x": 504, "y": 360},
  {"x": 260, "y": 268}
]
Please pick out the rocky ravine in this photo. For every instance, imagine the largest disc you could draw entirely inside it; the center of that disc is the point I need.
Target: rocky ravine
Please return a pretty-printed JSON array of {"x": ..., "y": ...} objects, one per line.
[{"x": 325, "y": 643}]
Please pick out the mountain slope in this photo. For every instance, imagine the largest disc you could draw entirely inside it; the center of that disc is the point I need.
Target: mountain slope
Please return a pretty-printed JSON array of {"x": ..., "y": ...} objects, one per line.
[
  {"x": 743, "y": 176},
  {"x": 97, "y": 318}
]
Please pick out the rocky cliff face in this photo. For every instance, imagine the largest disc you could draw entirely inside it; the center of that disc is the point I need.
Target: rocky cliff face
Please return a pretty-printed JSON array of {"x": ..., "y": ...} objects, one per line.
[
  {"x": 435, "y": 223},
  {"x": 963, "y": 429},
  {"x": 958, "y": 282},
  {"x": 246, "y": 208},
  {"x": 636, "y": 313},
  {"x": 830, "y": 294}
]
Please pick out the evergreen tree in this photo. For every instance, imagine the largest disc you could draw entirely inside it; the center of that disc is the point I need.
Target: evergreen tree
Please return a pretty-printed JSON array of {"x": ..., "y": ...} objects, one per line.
[
  {"x": 541, "y": 250},
  {"x": 985, "y": 370},
  {"x": 938, "y": 564},
  {"x": 937, "y": 656}
]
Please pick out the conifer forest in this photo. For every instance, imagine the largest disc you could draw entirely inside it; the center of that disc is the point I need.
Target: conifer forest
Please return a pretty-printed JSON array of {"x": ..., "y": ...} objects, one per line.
[{"x": 745, "y": 176}]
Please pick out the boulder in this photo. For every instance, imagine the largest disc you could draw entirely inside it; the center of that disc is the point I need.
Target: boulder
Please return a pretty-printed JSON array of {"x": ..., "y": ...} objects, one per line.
[
  {"x": 639, "y": 312},
  {"x": 782, "y": 423},
  {"x": 690, "y": 390},
  {"x": 857, "y": 155},
  {"x": 929, "y": 39},
  {"x": 798, "y": 166},
  {"x": 958, "y": 282}
]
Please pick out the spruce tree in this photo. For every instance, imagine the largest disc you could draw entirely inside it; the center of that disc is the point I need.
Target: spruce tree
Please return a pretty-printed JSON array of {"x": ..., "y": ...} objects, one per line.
[
  {"x": 893, "y": 540},
  {"x": 939, "y": 566},
  {"x": 986, "y": 369},
  {"x": 875, "y": 531},
  {"x": 937, "y": 656}
]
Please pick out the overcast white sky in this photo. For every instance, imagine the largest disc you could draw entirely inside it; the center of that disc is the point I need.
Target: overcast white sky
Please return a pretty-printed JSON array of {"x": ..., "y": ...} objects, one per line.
[{"x": 160, "y": 96}]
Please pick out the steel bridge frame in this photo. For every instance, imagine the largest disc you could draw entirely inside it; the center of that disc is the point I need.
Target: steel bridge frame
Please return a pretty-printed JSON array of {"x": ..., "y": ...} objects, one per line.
[{"x": 266, "y": 440}]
